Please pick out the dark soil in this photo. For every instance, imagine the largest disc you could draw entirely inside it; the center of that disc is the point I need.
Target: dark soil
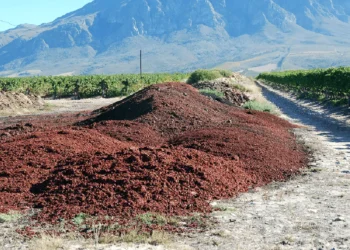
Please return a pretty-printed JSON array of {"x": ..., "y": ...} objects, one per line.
[{"x": 166, "y": 149}]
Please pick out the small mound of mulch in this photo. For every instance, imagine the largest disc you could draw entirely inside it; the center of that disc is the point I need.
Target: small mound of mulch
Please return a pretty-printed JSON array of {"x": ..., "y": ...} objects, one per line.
[
  {"x": 27, "y": 159},
  {"x": 165, "y": 149}
]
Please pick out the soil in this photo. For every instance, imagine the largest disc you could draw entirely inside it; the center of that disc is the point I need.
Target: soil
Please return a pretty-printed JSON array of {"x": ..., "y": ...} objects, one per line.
[
  {"x": 18, "y": 103},
  {"x": 69, "y": 105},
  {"x": 165, "y": 149}
]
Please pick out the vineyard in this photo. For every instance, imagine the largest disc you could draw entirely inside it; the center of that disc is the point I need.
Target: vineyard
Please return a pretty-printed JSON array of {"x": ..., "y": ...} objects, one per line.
[
  {"x": 331, "y": 84},
  {"x": 86, "y": 86}
]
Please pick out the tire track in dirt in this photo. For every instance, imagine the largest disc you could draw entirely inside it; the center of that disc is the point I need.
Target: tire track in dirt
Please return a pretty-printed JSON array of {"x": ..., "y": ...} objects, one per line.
[{"x": 336, "y": 129}]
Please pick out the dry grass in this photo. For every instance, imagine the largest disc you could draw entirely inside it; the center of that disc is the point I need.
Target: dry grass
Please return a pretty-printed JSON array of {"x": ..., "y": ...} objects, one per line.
[
  {"x": 260, "y": 106},
  {"x": 10, "y": 217},
  {"x": 47, "y": 242},
  {"x": 258, "y": 101},
  {"x": 153, "y": 238}
]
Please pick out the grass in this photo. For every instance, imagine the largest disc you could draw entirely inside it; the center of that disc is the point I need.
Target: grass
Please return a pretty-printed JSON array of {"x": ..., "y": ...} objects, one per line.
[
  {"x": 47, "y": 242},
  {"x": 147, "y": 228},
  {"x": 224, "y": 72},
  {"x": 260, "y": 106},
  {"x": 48, "y": 107},
  {"x": 240, "y": 87},
  {"x": 207, "y": 75},
  {"x": 136, "y": 237},
  {"x": 152, "y": 219},
  {"x": 100, "y": 235},
  {"x": 10, "y": 217},
  {"x": 212, "y": 93},
  {"x": 80, "y": 219},
  {"x": 134, "y": 232},
  {"x": 224, "y": 208}
]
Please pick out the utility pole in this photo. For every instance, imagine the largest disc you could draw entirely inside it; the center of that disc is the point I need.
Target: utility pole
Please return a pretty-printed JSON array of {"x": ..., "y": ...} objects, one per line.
[{"x": 141, "y": 66}]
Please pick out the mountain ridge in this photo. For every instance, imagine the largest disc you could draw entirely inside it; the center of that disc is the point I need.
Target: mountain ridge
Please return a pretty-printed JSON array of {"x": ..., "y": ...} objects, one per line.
[{"x": 104, "y": 36}]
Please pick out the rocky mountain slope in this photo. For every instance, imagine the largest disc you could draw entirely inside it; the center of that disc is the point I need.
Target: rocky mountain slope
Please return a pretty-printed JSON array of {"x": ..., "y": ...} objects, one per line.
[{"x": 253, "y": 35}]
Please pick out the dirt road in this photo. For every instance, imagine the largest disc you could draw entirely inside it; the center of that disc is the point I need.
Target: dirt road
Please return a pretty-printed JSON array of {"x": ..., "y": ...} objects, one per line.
[
  {"x": 309, "y": 212},
  {"x": 70, "y": 105}
]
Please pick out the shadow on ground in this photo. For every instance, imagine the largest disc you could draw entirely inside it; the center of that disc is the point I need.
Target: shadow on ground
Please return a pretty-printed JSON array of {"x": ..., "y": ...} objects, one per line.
[{"x": 333, "y": 129}]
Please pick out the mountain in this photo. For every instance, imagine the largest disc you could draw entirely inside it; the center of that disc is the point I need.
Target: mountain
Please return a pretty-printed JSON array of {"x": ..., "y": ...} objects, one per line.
[{"x": 105, "y": 36}]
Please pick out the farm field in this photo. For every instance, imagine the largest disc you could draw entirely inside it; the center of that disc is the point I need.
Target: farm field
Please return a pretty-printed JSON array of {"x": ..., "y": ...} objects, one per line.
[
  {"x": 86, "y": 86},
  {"x": 331, "y": 84}
]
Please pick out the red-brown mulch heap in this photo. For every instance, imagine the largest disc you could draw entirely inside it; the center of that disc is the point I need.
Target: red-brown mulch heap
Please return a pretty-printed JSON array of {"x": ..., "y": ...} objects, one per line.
[{"x": 166, "y": 149}]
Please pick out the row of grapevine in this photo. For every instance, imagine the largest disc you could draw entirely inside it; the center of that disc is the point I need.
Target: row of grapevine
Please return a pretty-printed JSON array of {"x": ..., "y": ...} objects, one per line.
[
  {"x": 86, "y": 86},
  {"x": 330, "y": 84}
]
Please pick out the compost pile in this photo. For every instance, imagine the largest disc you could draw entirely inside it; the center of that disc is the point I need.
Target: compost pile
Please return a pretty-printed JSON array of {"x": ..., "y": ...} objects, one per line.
[
  {"x": 17, "y": 103},
  {"x": 165, "y": 149}
]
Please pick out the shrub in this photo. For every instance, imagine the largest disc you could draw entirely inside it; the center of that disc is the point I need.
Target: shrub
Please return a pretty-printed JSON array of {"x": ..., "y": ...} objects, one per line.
[
  {"x": 10, "y": 217},
  {"x": 240, "y": 88},
  {"x": 224, "y": 72},
  {"x": 79, "y": 219},
  {"x": 203, "y": 75},
  {"x": 151, "y": 219},
  {"x": 212, "y": 93},
  {"x": 260, "y": 106}
]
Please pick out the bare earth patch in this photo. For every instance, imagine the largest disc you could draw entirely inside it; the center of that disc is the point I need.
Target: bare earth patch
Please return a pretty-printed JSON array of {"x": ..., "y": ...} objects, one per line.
[{"x": 71, "y": 105}]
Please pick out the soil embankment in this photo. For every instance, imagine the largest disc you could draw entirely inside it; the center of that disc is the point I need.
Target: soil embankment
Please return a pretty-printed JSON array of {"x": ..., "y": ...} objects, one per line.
[{"x": 18, "y": 103}]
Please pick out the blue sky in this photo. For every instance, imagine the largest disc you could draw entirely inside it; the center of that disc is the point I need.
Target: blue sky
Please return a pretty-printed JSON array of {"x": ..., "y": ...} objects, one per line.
[{"x": 35, "y": 11}]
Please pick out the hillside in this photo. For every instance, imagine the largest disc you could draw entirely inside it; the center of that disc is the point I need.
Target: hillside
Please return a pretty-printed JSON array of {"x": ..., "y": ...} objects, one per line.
[{"x": 105, "y": 36}]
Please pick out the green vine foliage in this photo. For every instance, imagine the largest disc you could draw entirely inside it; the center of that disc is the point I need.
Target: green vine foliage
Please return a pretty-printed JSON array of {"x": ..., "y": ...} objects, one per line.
[
  {"x": 86, "y": 86},
  {"x": 328, "y": 84}
]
